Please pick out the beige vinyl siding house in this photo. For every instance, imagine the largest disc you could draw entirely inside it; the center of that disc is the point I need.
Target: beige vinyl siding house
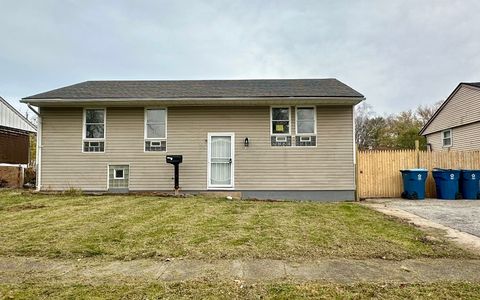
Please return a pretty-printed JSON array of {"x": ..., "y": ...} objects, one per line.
[
  {"x": 456, "y": 124},
  {"x": 317, "y": 165}
]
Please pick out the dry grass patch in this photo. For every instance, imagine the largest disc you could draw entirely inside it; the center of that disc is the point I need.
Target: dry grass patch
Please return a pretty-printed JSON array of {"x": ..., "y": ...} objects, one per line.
[{"x": 231, "y": 290}]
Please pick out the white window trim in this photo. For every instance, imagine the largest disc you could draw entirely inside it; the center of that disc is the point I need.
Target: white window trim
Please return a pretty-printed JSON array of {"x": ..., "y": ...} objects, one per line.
[
  {"x": 209, "y": 166},
  {"x": 451, "y": 138},
  {"x": 115, "y": 173},
  {"x": 154, "y": 139},
  {"x": 289, "y": 119},
  {"x": 314, "y": 120},
  {"x": 84, "y": 130}
]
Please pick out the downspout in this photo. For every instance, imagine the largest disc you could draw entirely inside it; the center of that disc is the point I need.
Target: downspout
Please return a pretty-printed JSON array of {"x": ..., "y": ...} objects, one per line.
[
  {"x": 39, "y": 148},
  {"x": 355, "y": 166}
]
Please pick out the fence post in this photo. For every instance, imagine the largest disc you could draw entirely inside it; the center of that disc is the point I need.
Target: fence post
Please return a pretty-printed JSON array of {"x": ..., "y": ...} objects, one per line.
[
  {"x": 417, "y": 153},
  {"x": 357, "y": 197}
]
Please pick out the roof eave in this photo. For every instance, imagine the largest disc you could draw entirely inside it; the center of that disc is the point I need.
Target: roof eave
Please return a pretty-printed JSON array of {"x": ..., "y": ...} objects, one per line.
[{"x": 192, "y": 101}]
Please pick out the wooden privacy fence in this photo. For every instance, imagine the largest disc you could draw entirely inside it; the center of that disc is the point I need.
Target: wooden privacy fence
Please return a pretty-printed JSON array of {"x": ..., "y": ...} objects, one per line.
[
  {"x": 11, "y": 176},
  {"x": 378, "y": 171}
]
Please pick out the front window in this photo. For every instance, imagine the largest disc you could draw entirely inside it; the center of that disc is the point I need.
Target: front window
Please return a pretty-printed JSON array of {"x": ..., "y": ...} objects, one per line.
[
  {"x": 155, "y": 129},
  {"x": 305, "y": 120},
  {"x": 280, "y": 120},
  {"x": 447, "y": 138},
  {"x": 94, "y": 130}
]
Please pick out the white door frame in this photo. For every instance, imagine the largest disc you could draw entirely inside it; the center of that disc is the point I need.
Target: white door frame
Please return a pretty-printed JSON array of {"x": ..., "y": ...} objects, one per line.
[{"x": 209, "y": 166}]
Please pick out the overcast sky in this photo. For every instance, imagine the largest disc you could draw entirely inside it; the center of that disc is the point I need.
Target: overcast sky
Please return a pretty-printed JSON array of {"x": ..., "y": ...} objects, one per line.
[{"x": 397, "y": 53}]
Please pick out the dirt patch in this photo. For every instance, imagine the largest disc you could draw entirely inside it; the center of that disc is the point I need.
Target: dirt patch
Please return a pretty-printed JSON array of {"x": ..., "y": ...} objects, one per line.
[{"x": 26, "y": 206}]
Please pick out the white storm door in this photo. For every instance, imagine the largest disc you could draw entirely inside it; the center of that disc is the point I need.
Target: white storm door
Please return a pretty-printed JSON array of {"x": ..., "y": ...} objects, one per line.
[{"x": 220, "y": 160}]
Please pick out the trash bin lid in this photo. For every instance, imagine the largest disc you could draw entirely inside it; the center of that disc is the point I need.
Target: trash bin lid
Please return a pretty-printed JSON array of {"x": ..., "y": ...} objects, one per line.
[{"x": 445, "y": 170}]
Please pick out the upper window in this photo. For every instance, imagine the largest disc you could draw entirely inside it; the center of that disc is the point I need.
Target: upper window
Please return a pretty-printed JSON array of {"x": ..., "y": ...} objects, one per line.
[
  {"x": 305, "y": 120},
  {"x": 280, "y": 120},
  {"x": 94, "y": 123},
  {"x": 447, "y": 138},
  {"x": 94, "y": 130},
  {"x": 155, "y": 129}
]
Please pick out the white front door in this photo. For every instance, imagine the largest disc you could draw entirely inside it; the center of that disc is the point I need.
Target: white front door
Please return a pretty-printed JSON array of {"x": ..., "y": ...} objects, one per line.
[{"x": 221, "y": 154}]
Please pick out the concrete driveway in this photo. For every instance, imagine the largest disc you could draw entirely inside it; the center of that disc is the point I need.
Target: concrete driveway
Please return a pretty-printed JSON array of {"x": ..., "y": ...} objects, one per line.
[{"x": 463, "y": 215}]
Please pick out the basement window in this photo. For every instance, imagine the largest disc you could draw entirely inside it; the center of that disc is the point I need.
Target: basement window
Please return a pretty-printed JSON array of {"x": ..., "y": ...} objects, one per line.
[
  {"x": 447, "y": 138},
  {"x": 94, "y": 130},
  {"x": 118, "y": 174},
  {"x": 155, "y": 129}
]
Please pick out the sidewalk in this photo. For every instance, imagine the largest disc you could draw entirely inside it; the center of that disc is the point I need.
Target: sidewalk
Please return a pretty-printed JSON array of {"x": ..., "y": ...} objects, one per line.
[{"x": 21, "y": 269}]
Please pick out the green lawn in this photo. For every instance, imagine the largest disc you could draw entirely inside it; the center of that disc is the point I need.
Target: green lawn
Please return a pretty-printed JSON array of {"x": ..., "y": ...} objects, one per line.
[
  {"x": 130, "y": 227},
  {"x": 230, "y": 290}
]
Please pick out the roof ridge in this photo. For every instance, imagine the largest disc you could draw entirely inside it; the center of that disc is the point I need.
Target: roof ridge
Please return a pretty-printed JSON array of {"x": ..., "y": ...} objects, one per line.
[{"x": 204, "y": 80}]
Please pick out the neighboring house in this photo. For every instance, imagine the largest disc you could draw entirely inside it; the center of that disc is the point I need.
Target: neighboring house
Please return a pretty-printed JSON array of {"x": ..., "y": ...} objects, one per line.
[
  {"x": 456, "y": 124},
  {"x": 277, "y": 139},
  {"x": 15, "y": 130}
]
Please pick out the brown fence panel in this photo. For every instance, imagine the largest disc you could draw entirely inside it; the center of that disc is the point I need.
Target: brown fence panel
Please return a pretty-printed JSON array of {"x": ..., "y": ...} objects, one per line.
[
  {"x": 379, "y": 172},
  {"x": 14, "y": 147},
  {"x": 11, "y": 176}
]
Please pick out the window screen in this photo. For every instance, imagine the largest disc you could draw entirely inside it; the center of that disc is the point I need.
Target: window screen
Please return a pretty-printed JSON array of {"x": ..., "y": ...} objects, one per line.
[
  {"x": 280, "y": 120},
  {"x": 156, "y": 124},
  {"x": 94, "y": 123},
  {"x": 305, "y": 120}
]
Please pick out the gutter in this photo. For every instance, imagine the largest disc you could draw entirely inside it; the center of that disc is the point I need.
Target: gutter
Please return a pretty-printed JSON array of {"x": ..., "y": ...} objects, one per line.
[
  {"x": 39, "y": 148},
  {"x": 188, "y": 100},
  {"x": 131, "y": 102}
]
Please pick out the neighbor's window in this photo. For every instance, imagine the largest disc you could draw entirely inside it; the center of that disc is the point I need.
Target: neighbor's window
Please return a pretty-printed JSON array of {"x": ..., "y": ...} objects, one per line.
[
  {"x": 305, "y": 120},
  {"x": 94, "y": 130},
  {"x": 280, "y": 120},
  {"x": 447, "y": 138},
  {"x": 155, "y": 129}
]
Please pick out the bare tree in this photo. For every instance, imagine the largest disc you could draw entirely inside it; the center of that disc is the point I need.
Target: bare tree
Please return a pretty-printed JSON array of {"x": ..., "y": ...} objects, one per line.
[
  {"x": 368, "y": 126},
  {"x": 31, "y": 117},
  {"x": 424, "y": 113}
]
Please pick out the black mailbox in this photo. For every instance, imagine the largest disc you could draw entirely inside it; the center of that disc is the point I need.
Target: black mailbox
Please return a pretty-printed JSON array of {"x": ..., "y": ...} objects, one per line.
[{"x": 174, "y": 159}]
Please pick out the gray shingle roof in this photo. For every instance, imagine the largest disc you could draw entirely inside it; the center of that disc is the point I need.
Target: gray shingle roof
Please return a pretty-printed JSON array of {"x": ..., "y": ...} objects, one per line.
[
  {"x": 202, "y": 89},
  {"x": 475, "y": 84}
]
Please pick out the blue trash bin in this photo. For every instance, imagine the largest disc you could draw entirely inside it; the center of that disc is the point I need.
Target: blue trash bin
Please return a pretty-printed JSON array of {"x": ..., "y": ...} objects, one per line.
[
  {"x": 446, "y": 183},
  {"x": 469, "y": 184},
  {"x": 414, "y": 183}
]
